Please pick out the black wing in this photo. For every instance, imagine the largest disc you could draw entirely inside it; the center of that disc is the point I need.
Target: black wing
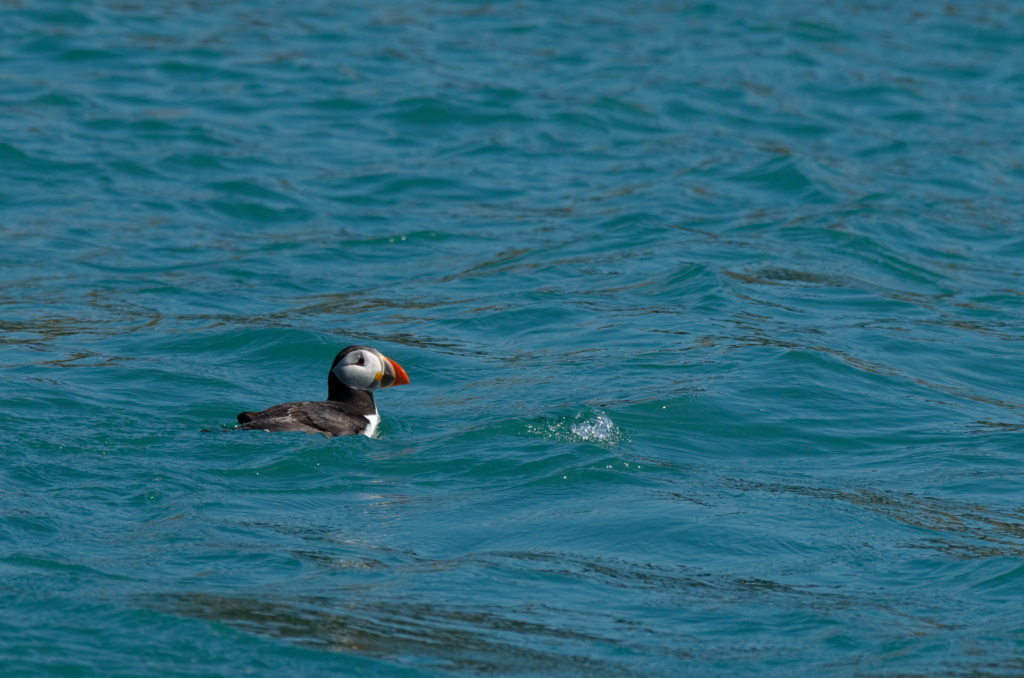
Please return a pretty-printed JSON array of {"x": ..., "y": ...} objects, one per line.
[{"x": 328, "y": 418}]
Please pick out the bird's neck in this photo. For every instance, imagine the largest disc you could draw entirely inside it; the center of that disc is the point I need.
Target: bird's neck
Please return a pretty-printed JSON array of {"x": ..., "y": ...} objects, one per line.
[{"x": 339, "y": 392}]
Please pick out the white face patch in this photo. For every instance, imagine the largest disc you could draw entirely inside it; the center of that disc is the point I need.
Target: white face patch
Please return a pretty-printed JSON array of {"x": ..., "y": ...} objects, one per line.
[{"x": 359, "y": 369}]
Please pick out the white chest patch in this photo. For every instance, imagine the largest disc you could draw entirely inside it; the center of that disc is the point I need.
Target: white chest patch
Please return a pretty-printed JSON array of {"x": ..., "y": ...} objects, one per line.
[{"x": 374, "y": 420}]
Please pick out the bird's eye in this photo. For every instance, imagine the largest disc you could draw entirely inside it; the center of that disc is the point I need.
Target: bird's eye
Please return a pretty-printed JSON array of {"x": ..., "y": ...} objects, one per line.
[{"x": 361, "y": 361}]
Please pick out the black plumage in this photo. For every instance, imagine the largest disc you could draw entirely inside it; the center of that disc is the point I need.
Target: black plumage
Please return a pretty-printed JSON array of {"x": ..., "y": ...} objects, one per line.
[{"x": 329, "y": 417}]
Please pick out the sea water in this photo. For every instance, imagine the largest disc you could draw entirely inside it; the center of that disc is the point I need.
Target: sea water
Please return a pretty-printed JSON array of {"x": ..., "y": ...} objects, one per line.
[{"x": 711, "y": 312}]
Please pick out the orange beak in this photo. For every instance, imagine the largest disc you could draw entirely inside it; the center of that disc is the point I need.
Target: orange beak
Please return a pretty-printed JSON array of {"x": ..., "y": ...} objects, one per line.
[{"x": 400, "y": 376}]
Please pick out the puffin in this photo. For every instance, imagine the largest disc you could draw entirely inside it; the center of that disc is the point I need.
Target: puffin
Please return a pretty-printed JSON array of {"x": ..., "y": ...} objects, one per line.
[{"x": 349, "y": 410}]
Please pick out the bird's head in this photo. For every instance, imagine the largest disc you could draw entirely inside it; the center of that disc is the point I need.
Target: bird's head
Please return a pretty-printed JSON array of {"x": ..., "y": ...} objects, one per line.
[{"x": 367, "y": 369}]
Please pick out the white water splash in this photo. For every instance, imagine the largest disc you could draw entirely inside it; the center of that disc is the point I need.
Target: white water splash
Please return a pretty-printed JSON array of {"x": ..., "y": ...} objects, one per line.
[
  {"x": 589, "y": 427},
  {"x": 602, "y": 429}
]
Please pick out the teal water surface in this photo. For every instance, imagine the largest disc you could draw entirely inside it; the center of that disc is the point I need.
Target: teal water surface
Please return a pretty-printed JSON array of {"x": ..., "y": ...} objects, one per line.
[{"x": 712, "y": 313}]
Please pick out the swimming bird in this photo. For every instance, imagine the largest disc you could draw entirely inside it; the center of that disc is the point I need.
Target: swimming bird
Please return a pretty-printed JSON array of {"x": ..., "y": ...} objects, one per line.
[{"x": 356, "y": 373}]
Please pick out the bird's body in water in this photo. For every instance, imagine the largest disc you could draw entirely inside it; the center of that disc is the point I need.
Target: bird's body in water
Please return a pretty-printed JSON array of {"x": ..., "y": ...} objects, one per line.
[{"x": 356, "y": 373}]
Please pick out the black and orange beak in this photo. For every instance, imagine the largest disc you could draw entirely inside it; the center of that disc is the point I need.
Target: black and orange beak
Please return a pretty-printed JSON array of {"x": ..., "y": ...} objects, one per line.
[{"x": 393, "y": 374}]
